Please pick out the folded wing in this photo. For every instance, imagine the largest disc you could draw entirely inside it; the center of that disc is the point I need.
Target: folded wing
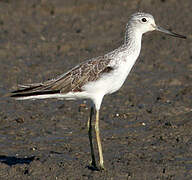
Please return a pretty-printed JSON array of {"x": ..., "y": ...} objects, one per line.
[{"x": 72, "y": 81}]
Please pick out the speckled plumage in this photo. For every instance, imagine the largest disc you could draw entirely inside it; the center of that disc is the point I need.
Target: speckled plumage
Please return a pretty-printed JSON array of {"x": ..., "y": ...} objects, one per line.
[
  {"x": 72, "y": 81},
  {"x": 88, "y": 71}
]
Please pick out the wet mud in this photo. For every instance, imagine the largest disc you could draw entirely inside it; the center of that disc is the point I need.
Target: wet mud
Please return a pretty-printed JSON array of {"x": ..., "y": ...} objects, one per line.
[{"x": 146, "y": 127}]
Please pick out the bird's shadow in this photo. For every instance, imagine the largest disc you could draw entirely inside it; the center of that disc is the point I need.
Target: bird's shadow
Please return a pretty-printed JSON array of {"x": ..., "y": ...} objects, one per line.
[{"x": 11, "y": 160}]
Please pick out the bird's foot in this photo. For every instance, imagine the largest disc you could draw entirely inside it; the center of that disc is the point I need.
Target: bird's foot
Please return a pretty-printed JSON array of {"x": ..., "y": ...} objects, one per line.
[
  {"x": 93, "y": 166},
  {"x": 101, "y": 167}
]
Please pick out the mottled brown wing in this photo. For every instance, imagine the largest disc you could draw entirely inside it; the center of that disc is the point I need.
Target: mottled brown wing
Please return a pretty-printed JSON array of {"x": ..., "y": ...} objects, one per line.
[
  {"x": 80, "y": 75},
  {"x": 72, "y": 81}
]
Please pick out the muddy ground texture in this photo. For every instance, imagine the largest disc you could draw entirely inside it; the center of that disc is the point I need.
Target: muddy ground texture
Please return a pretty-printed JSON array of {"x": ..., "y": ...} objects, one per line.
[{"x": 146, "y": 127}]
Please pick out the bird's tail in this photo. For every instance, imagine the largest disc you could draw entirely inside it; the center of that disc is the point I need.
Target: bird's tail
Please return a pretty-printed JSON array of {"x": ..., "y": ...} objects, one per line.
[{"x": 32, "y": 91}]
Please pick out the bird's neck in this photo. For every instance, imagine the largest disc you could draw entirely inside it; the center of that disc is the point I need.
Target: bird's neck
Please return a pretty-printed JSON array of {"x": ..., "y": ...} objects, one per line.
[{"x": 132, "y": 40}]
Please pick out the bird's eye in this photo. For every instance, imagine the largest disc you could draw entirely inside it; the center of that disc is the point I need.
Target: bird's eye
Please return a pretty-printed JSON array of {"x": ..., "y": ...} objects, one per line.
[{"x": 144, "y": 20}]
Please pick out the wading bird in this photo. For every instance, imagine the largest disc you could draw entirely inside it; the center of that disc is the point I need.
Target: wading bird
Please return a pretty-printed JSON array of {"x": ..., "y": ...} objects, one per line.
[{"x": 95, "y": 78}]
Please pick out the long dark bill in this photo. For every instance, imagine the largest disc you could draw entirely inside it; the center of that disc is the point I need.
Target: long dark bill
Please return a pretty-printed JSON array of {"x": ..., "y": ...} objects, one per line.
[{"x": 158, "y": 28}]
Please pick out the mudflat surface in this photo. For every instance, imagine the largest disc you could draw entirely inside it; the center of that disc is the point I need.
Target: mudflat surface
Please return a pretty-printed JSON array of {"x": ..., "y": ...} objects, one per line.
[{"x": 146, "y": 127}]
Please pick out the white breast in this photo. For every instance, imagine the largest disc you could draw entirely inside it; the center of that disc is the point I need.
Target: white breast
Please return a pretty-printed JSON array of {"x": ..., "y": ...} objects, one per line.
[{"x": 111, "y": 82}]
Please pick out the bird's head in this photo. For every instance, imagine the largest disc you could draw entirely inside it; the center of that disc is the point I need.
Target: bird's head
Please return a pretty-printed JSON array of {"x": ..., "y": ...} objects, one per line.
[{"x": 144, "y": 22}]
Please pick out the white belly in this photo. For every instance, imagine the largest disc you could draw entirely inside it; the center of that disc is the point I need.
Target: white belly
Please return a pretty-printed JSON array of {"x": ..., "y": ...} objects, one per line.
[{"x": 110, "y": 82}]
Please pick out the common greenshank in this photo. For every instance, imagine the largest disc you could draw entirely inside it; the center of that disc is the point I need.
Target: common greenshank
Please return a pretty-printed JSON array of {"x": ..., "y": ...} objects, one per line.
[{"x": 96, "y": 77}]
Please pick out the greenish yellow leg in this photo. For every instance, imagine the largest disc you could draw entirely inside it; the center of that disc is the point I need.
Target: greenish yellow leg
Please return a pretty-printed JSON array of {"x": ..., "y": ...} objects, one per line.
[
  {"x": 89, "y": 125},
  {"x": 99, "y": 140}
]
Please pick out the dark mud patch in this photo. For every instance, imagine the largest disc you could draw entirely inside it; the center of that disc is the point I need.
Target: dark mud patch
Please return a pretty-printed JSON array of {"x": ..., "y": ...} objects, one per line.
[{"x": 11, "y": 160}]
